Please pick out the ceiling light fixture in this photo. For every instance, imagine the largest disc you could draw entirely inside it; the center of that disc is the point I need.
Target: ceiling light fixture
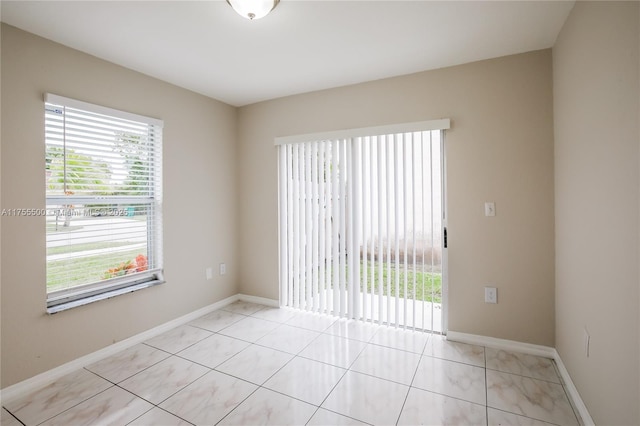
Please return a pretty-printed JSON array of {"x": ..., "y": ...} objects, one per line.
[{"x": 253, "y": 9}]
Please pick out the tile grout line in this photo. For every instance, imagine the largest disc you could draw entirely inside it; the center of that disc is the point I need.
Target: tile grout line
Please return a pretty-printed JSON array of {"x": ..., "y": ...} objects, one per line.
[
  {"x": 238, "y": 378},
  {"x": 209, "y": 368},
  {"x": 346, "y": 370},
  {"x": 14, "y": 417},
  {"x": 239, "y": 403},
  {"x": 526, "y": 417},
  {"x": 75, "y": 405},
  {"x": 411, "y": 385},
  {"x": 160, "y": 408},
  {"x": 261, "y": 386}
]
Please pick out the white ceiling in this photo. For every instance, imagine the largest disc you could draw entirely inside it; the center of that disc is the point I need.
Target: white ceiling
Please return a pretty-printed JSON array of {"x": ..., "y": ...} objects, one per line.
[{"x": 301, "y": 46}]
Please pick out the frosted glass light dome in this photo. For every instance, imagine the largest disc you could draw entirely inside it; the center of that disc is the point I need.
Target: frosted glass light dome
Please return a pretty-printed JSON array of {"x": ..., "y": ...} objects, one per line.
[{"x": 253, "y": 9}]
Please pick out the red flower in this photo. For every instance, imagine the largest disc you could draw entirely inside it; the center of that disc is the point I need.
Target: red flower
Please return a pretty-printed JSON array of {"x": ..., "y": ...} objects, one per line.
[{"x": 141, "y": 262}]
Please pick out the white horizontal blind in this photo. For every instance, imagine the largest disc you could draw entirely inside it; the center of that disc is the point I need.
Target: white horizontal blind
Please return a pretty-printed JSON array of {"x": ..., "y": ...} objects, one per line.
[
  {"x": 104, "y": 199},
  {"x": 361, "y": 225}
]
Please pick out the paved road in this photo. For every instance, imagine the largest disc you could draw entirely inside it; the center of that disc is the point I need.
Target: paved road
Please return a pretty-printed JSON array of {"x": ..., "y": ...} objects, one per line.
[{"x": 96, "y": 230}]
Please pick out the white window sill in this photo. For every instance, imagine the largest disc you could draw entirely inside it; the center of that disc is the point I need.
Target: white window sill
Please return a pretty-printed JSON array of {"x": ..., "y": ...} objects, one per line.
[{"x": 102, "y": 296}]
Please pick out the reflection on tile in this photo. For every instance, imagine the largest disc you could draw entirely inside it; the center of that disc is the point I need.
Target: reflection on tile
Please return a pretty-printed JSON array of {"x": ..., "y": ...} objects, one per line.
[
  {"x": 60, "y": 395},
  {"x": 156, "y": 416},
  {"x": 275, "y": 314},
  {"x": 352, "y": 329},
  {"x": 452, "y": 379},
  {"x": 304, "y": 379},
  {"x": 533, "y": 398},
  {"x": 179, "y": 338},
  {"x": 311, "y": 321},
  {"x": 113, "y": 406},
  {"x": 8, "y": 420},
  {"x": 440, "y": 347},
  {"x": 249, "y": 329},
  {"x": 159, "y": 382},
  {"x": 324, "y": 417},
  {"x": 209, "y": 399},
  {"x": 398, "y": 338},
  {"x": 502, "y": 418},
  {"x": 521, "y": 364},
  {"x": 334, "y": 350},
  {"x": 255, "y": 364},
  {"x": 428, "y": 408},
  {"x": 387, "y": 363},
  {"x": 367, "y": 398},
  {"x": 244, "y": 308},
  {"x": 266, "y": 407},
  {"x": 213, "y": 350},
  {"x": 277, "y": 366},
  {"x": 288, "y": 339},
  {"x": 216, "y": 320},
  {"x": 126, "y": 363}
]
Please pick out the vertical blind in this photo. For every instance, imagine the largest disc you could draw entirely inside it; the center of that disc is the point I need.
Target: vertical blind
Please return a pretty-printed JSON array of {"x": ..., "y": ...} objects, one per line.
[
  {"x": 361, "y": 217},
  {"x": 103, "y": 199}
]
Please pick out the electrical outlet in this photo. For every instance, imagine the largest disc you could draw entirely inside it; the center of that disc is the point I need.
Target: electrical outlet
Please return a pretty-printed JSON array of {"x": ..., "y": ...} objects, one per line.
[
  {"x": 489, "y": 209},
  {"x": 490, "y": 295},
  {"x": 586, "y": 341},
  {"x": 209, "y": 273},
  {"x": 223, "y": 268}
]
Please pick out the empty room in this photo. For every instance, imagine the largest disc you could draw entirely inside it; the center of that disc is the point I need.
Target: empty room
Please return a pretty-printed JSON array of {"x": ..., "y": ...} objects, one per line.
[{"x": 310, "y": 212}]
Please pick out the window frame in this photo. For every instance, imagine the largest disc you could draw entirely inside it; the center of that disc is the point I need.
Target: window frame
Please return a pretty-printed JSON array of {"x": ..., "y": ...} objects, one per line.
[{"x": 78, "y": 295}]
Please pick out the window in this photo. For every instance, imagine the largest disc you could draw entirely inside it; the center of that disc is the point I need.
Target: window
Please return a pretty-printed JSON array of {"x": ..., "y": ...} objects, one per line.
[
  {"x": 361, "y": 223},
  {"x": 104, "y": 202}
]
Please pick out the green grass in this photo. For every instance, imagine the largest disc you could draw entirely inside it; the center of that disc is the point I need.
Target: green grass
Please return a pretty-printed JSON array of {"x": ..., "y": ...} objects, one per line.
[
  {"x": 427, "y": 285},
  {"x": 86, "y": 269}
]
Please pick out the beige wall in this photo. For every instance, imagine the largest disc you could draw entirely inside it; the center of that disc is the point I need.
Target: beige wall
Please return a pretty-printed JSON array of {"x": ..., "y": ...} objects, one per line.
[
  {"x": 200, "y": 224},
  {"x": 1, "y": 205},
  {"x": 596, "y": 92},
  {"x": 500, "y": 148}
]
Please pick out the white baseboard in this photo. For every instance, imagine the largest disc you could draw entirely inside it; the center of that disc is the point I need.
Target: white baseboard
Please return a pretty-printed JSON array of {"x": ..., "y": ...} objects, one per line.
[
  {"x": 573, "y": 391},
  {"x": 29, "y": 385},
  {"x": 507, "y": 345},
  {"x": 537, "y": 350},
  {"x": 259, "y": 300}
]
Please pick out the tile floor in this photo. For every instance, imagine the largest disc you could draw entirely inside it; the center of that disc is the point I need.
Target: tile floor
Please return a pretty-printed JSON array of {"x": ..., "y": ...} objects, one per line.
[{"x": 248, "y": 364}]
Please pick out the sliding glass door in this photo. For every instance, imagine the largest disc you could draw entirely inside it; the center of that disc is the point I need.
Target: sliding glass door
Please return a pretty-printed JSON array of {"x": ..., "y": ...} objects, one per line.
[{"x": 361, "y": 224}]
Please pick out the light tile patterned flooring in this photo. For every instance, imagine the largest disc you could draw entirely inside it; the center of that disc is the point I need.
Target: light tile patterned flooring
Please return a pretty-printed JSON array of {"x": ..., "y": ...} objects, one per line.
[{"x": 248, "y": 364}]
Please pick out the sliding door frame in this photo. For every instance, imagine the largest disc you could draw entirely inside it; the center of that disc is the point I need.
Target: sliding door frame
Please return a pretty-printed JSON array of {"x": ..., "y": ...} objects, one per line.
[{"x": 352, "y": 134}]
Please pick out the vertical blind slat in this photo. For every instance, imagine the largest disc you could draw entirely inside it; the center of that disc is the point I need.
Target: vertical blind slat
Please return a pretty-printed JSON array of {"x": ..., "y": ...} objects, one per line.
[
  {"x": 365, "y": 234},
  {"x": 282, "y": 236},
  {"x": 343, "y": 227},
  {"x": 308, "y": 234},
  {"x": 321, "y": 228},
  {"x": 381, "y": 222},
  {"x": 335, "y": 223}
]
